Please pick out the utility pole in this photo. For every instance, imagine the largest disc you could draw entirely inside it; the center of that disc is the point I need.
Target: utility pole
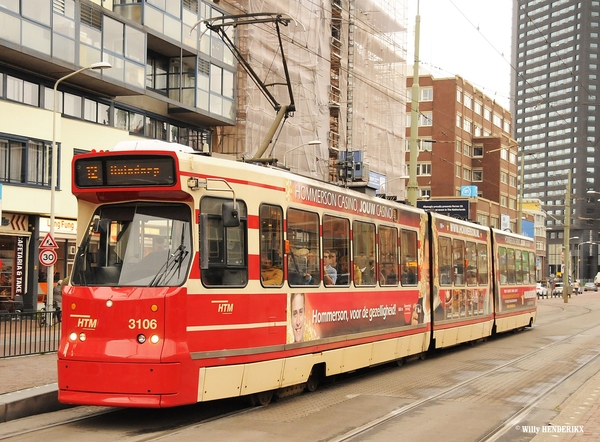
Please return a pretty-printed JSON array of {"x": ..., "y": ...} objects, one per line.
[
  {"x": 413, "y": 185},
  {"x": 567, "y": 235},
  {"x": 520, "y": 206}
]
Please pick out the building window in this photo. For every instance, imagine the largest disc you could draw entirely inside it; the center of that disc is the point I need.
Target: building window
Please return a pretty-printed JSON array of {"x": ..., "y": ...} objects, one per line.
[
  {"x": 457, "y": 170},
  {"x": 497, "y": 120},
  {"x": 468, "y": 101},
  {"x": 503, "y": 177},
  {"x": 25, "y": 162},
  {"x": 478, "y": 175},
  {"x": 467, "y": 150},
  {"x": 477, "y": 151},
  {"x": 467, "y": 126},
  {"x": 467, "y": 174},
  {"x": 423, "y": 169},
  {"x": 22, "y": 91},
  {"x": 427, "y": 94},
  {"x": 425, "y": 119}
]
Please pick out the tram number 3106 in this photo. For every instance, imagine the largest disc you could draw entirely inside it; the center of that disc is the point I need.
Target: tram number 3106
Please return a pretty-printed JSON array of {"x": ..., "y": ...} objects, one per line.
[{"x": 142, "y": 324}]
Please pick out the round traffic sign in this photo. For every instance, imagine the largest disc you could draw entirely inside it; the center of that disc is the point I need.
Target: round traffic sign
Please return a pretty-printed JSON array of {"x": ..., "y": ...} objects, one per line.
[{"x": 47, "y": 257}]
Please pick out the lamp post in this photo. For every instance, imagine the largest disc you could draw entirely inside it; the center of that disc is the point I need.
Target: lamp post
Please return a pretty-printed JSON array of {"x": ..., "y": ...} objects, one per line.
[
  {"x": 54, "y": 171},
  {"x": 385, "y": 183},
  {"x": 413, "y": 184},
  {"x": 310, "y": 143}
]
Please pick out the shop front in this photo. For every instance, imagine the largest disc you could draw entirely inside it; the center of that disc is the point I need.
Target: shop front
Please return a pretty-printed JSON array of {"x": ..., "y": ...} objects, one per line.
[{"x": 14, "y": 244}]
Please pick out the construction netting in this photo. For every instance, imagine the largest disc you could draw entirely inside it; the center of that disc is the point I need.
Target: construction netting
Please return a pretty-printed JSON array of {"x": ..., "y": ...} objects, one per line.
[{"x": 347, "y": 66}]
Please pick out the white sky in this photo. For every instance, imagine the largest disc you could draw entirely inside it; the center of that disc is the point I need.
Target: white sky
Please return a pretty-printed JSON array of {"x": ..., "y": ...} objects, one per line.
[{"x": 470, "y": 38}]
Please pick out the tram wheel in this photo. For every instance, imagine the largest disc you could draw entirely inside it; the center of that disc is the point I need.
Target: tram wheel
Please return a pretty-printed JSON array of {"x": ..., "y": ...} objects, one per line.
[
  {"x": 400, "y": 362},
  {"x": 313, "y": 381},
  {"x": 263, "y": 398},
  {"x": 422, "y": 356}
]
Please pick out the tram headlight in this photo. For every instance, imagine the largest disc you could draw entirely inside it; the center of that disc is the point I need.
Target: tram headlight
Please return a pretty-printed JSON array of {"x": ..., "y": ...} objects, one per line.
[
  {"x": 109, "y": 303},
  {"x": 141, "y": 338},
  {"x": 154, "y": 339},
  {"x": 74, "y": 336}
]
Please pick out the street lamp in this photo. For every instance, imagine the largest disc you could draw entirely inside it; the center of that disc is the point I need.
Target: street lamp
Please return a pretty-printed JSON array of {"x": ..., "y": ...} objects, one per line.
[
  {"x": 383, "y": 186},
  {"x": 54, "y": 171},
  {"x": 310, "y": 143}
]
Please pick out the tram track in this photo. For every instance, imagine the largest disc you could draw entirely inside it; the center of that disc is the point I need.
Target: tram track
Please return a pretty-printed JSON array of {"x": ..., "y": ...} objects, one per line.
[{"x": 508, "y": 423}]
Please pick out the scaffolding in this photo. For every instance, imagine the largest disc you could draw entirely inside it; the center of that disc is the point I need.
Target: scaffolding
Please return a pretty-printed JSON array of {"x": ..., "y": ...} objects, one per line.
[{"x": 347, "y": 63}]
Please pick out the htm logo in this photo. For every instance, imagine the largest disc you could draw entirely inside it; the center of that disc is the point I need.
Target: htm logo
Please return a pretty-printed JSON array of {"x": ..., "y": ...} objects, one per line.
[
  {"x": 88, "y": 323},
  {"x": 224, "y": 307}
]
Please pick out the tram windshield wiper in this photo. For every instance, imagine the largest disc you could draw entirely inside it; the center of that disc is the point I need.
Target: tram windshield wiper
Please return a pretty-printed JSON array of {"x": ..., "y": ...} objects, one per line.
[{"x": 170, "y": 268}]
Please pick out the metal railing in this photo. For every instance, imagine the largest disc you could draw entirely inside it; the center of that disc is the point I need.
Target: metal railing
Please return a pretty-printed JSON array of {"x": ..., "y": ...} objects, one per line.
[{"x": 27, "y": 333}]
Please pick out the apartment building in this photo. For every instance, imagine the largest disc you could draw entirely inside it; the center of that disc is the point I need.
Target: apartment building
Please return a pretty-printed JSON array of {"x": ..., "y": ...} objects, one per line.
[{"x": 556, "y": 113}]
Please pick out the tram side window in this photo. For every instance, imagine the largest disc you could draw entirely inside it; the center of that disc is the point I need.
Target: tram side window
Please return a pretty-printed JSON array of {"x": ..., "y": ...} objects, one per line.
[
  {"x": 271, "y": 245},
  {"x": 223, "y": 249},
  {"x": 363, "y": 237},
  {"x": 532, "y": 277},
  {"x": 518, "y": 267},
  {"x": 445, "y": 260},
  {"x": 503, "y": 264},
  {"x": 303, "y": 254},
  {"x": 336, "y": 241},
  {"x": 408, "y": 244},
  {"x": 471, "y": 263},
  {"x": 482, "y": 264},
  {"x": 388, "y": 252},
  {"x": 510, "y": 266},
  {"x": 458, "y": 256},
  {"x": 525, "y": 266}
]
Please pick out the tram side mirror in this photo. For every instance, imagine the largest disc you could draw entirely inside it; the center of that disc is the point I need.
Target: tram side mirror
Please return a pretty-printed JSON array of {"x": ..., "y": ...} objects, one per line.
[
  {"x": 229, "y": 215},
  {"x": 204, "y": 244}
]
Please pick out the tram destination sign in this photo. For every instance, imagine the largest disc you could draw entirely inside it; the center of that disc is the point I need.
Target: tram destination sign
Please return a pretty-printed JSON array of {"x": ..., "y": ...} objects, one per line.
[{"x": 125, "y": 171}]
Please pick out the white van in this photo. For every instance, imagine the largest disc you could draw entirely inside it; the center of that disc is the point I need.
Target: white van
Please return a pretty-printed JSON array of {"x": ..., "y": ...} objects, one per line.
[{"x": 597, "y": 279}]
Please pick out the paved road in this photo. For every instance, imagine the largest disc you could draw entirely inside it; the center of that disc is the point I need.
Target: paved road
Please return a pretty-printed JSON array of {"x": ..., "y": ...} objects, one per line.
[{"x": 549, "y": 374}]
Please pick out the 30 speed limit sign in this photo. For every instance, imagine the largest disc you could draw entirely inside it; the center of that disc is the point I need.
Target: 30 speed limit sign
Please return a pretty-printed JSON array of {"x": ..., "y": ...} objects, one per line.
[{"x": 47, "y": 257}]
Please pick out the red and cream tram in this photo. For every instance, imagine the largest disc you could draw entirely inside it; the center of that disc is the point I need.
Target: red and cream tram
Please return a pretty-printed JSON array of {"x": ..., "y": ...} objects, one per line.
[{"x": 199, "y": 278}]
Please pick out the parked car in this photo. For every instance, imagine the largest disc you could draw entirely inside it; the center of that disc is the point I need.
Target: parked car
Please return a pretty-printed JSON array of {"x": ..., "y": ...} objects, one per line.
[
  {"x": 590, "y": 286},
  {"x": 558, "y": 290},
  {"x": 541, "y": 290}
]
